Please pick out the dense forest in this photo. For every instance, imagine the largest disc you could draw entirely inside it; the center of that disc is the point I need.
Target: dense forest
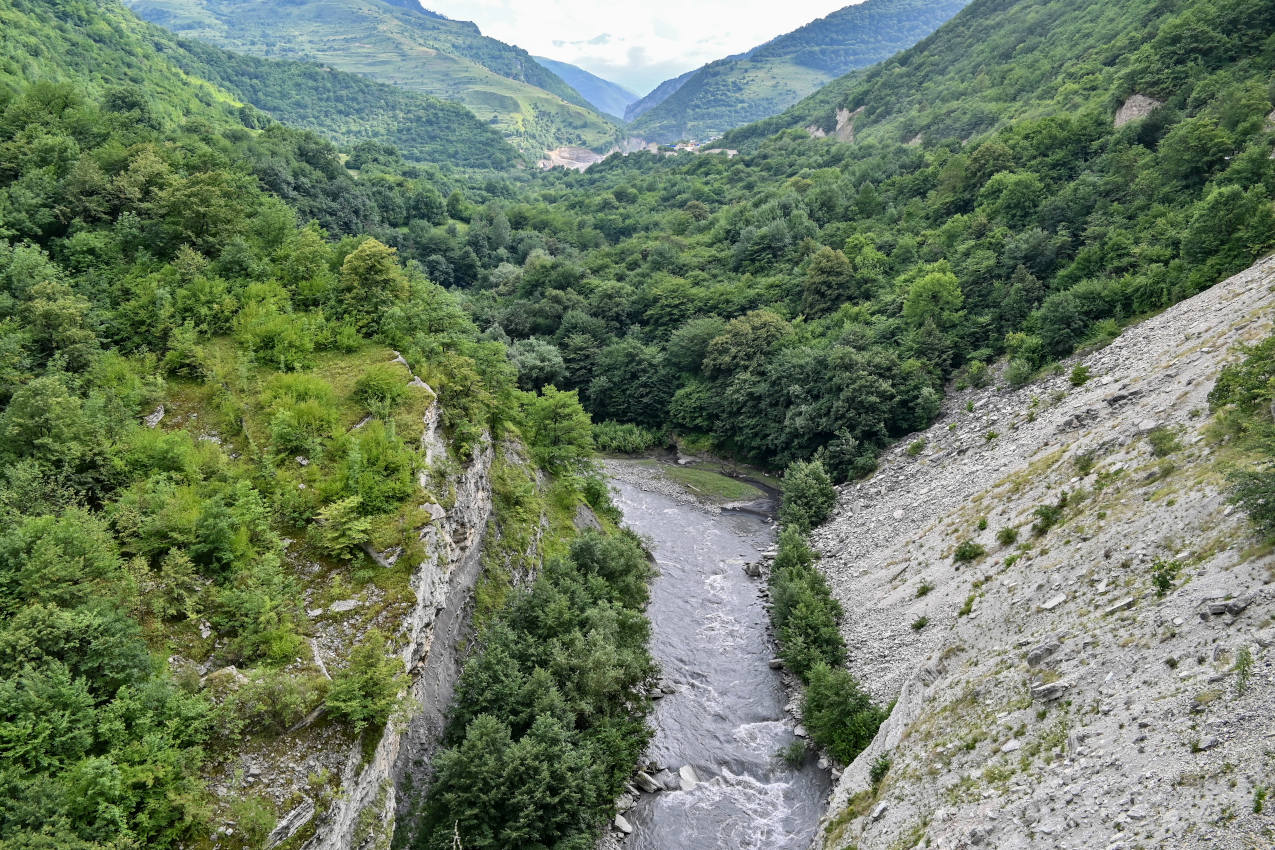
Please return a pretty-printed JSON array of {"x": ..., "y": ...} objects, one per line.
[
  {"x": 201, "y": 415},
  {"x": 812, "y": 298}
]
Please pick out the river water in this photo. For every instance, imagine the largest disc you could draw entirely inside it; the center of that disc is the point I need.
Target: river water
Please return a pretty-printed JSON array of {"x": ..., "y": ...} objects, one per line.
[{"x": 726, "y": 717}]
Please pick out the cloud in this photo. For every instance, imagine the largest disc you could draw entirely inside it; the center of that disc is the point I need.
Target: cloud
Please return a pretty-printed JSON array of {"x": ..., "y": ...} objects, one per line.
[{"x": 636, "y": 45}]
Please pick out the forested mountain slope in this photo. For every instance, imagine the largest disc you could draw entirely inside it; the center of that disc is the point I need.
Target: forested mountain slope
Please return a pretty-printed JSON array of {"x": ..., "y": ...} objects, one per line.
[
  {"x": 605, "y": 95},
  {"x": 60, "y": 42},
  {"x": 252, "y": 466},
  {"x": 739, "y": 89},
  {"x": 814, "y": 297},
  {"x": 656, "y": 96},
  {"x": 394, "y": 43}
]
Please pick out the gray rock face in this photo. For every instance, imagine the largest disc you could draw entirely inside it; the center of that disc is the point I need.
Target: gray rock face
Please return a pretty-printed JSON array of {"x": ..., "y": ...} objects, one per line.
[{"x": 1058, "y": 698}]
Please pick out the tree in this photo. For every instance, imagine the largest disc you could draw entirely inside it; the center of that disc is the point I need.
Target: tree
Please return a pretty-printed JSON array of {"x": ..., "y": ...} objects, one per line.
[
  {"x": 371, "y": 283},
  {"x": 808, "y": 495},
  {"x": 560, "y": 433},
  {"x": 538, "y": 361},
  {"x": 829, "y": 282},
  {"x": 934, "y": 297},
  {"x": 366, "y": 691}
]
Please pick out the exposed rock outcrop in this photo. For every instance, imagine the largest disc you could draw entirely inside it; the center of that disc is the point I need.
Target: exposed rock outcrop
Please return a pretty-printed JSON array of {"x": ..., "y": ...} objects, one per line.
[
  {"x": 1077, "y": 686},
  {"x": 1135, "y": 107}
]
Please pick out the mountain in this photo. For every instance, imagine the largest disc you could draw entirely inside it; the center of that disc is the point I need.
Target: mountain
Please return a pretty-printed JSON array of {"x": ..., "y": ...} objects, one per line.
[
  {"x": 656, "y": 96},
  {"x": 606, "y": 96},
  {"x": 740, "y": 89},
  {"x": 404, "y": 45}
]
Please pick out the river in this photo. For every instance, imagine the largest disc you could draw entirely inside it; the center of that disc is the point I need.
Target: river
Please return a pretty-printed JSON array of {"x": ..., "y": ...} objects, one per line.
[{"x": 726, "y": 715}]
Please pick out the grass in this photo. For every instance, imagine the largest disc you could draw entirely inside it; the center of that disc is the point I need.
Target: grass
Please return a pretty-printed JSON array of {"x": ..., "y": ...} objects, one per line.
[{"x": 707, "y": 484}]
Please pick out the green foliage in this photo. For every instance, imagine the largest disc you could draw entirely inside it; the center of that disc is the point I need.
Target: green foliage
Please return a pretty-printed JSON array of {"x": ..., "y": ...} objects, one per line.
[
  {"x": 625, "y": 438},
  {"x": 340, "y": 528},
  {"x": 880, "y": 767},
  {"x": 1164, "y": 574},
  {"x": 381, "y": 389},
  {"x": 559, "y": 433},
  {"x": 968, "y": 550},
  {"x": 920, "y": 623},
  {"x": 368, "y": 689},
  {"x": 808, "y": 495},
  {"x": 1243, "y": 669},
  {"x": 804, "y": 613},
  {"x": 548, "y": 718},
  {"x": 1079, "y": 375},
  {"x": 1007, "y": 536},
  {"x": 838, "y": 713},
  {"x": 1164, "y": 441}
]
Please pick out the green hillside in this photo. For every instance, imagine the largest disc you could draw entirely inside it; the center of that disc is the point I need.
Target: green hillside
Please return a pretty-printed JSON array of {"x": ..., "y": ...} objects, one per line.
[
  {"x": 810, "y": 298},
  {"x": 54, "y": 43},
  {"x": 740, "y": 89},
  {"x": 606, "y": 96},
  {"x": 394, "y": 43},
  {"x": 351, "y": 109}
]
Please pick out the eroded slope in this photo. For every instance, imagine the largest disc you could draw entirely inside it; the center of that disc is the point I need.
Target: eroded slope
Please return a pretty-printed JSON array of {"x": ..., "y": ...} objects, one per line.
[{"x": 1103, "y": 680}]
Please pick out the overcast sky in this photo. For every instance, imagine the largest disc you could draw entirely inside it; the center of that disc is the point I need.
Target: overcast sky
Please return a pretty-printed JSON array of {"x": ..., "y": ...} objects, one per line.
[{"x": 636, "y": 44}]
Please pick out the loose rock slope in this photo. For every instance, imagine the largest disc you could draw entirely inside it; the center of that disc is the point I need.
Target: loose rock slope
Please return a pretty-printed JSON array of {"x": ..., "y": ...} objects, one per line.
[{"x": 1105, "y": 679}]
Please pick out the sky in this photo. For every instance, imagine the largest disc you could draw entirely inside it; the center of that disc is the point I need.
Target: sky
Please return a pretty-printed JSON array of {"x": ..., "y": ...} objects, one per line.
[{"x": 636, "y": 44}]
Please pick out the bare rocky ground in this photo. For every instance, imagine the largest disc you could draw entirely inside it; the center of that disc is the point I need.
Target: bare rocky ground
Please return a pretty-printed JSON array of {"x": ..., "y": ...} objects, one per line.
[{"x": 1048, "y": 695}]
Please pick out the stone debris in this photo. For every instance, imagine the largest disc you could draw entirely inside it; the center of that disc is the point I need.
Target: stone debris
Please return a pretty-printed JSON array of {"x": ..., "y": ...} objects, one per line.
[{"x": 1071, "y": 697}]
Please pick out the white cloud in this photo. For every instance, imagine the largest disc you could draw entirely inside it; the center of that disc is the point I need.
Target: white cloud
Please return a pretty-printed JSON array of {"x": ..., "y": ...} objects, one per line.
[{"x": 638, "y": 45}]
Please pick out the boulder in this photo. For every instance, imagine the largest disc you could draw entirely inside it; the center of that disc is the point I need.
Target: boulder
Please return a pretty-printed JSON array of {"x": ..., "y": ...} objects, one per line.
[
  {"x": 622, "y": 824},
  {"x": 645, "y": 783}
]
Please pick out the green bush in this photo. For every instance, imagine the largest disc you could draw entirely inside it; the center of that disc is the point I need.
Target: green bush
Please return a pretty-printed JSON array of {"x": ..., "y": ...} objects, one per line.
[
  {"x": 1164, "y": 441},
  {"x": 1079, "y": 375},
  {"x": 968, "y": 550},
  {"x": 808, "y": 495},
  {"x": 880, "y": 767},
  {"x": 838, "y": 713},
  {"x": 367, "y": 690},
  {"x": 623, "y": 438},
  {"x": 381, "y": 389},
  {"x": 1007, "y": 536}
]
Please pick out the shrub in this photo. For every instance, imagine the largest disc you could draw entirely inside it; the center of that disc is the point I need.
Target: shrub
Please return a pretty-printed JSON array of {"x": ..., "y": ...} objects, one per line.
[
  {"x": 380, "y": 389},
  {"x": 1163, "y": 441},
  {"x": 1163, "y": 575},
  {"x": 1079, "y": 375},
  {"x": 967, "y": 551},
  {"x": 624, "y": 438},
  {"x": 839, "y": 714},
  {"x": 340, "y": 528},
  {"x": 1047, "y": 516},
  {"x": 880, "y": 767},
  {"x": 920, "y": 623},
  {"x": 916, "y": 447},
  {"x": 923, "y": 589},
  {"x": 808, "y": 495},
  {"x": 793, "y": 754},
  {"x": 1019, "y": 372},
  {"x": 366, "y": 691},
  {"x": 1084, "y": 463},
  {"x": 1007, "y": 536}
]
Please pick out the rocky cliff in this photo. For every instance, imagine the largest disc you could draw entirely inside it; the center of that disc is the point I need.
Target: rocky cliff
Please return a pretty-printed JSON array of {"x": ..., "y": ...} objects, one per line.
[
  {"x": 340, "y": 793},
  {"x": 1074, "y": 625}
]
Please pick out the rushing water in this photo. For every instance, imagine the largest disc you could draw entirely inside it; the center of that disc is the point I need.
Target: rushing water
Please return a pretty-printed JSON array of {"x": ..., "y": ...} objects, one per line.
[{"x": 726, "y": 717}]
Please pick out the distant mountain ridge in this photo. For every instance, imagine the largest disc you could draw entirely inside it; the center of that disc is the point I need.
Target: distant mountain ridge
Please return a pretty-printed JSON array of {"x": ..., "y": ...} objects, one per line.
[
  {"x": 400, "y": 42},
  {"x": 749, "y": 86},
  {"x": 606, "y": 96},
  {"x": 657, "y": 96}
]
